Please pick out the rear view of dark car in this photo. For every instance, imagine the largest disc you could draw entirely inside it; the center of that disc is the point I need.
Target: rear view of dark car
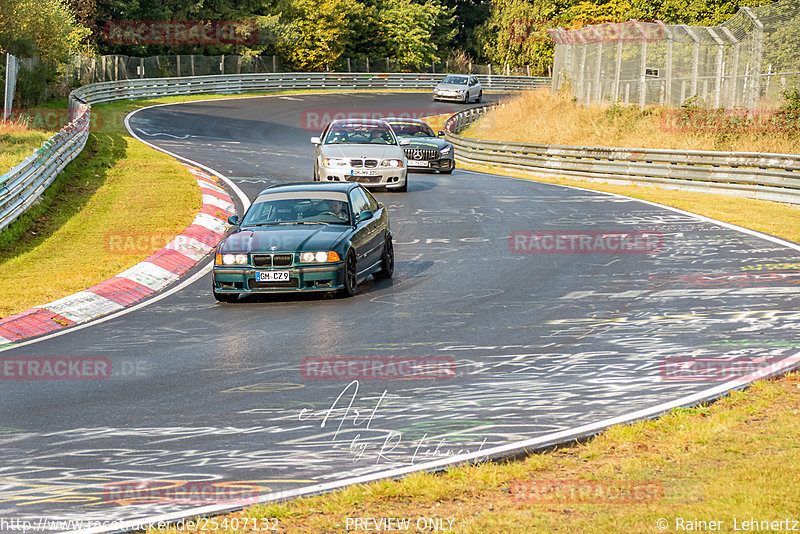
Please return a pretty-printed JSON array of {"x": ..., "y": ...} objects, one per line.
[{"x": 426, "y": 150}]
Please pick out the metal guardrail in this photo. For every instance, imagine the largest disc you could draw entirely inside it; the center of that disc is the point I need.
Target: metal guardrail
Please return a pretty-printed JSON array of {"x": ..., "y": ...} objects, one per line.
[
  {"x": 764, "y": 176},
  {"x": 245, "y": 83},
  {"x": 24, "y": 184}
]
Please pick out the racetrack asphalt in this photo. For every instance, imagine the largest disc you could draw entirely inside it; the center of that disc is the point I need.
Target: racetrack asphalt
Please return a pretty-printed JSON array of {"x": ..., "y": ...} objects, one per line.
[{"x": 540, "y": 343}]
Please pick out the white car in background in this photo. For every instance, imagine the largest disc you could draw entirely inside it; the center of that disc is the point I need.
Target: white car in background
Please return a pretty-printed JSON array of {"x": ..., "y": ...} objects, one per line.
[
  {"x": 363, "y": 151},
  {"x": 459, "y": 87}
]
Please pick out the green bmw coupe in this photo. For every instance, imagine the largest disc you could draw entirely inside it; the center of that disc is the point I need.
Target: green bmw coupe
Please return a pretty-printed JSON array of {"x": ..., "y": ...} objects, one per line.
[{"x": 305, "y": 237}]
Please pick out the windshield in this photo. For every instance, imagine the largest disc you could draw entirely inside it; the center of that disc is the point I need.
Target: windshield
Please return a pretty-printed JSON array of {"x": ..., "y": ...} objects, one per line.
[
  {"x": 412, "y": 129},
  {"x": 360, "y": 134},
  {"x": 455, "y": 80},
  {"x": 266, "y": 212}
]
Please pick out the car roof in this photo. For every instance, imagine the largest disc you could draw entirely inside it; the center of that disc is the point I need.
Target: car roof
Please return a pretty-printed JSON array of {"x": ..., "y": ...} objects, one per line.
[
  {"x": 402, "y": 119},
  {"x": 310, "y": 186},
  {"x": 374, "y": 122}
]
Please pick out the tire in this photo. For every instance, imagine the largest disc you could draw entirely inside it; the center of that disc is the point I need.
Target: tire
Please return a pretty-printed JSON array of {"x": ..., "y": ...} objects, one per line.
[
  {"x": 387, "y": 261},
  {"x": 350, "y": 281},
  {"x": 448, "y": 171},
  {"x": 480, "y": 96},
  {"x": 405, "y": 186},
  {"x": 223, "y": 297},
  {"x": 466, "y": 98}
]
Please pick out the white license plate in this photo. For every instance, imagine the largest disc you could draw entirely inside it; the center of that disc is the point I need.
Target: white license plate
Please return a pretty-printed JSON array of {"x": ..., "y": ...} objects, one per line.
[
  {"x": 363, "y": 173},
  {"x": 272, "y": 276},
  {"x": 414, "y": 163}
]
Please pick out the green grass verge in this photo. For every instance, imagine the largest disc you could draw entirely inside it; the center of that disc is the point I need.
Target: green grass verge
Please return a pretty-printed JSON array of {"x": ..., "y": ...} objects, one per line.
[{"x": 17, "y": 143}]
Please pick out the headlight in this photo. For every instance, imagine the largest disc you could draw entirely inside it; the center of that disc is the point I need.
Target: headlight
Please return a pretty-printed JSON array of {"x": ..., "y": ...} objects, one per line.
[
  {"x": 392, "y": 163},
  {"x": 231, "y": 259},
  {"x": 319, "y": 257},
  {"x": 332, "y": 162},
  {"x": 446, "y": 150}
]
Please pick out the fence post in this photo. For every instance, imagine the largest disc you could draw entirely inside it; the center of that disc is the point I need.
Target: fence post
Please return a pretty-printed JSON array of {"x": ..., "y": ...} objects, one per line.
[
  {"x": 141, "y": 67},
  {"x": 718, "y": 73},
  {"x": 10, "y": 85},
  {"x": 178, "y": 62},
  {"x": 668, "y": 66},
  {"x": 695, "y": 59},
  {"x": 222, "y": 64},
  {"x": 598, "y": 65},
  {"x": 367, "y": 64},
  {"x": 758, "y": 50},
  {"x": 734, "y": 81},
  {"x": 618, "y": 69},
  {"x": 642, "y": 66},
  {"x": 348, "y": 65}
]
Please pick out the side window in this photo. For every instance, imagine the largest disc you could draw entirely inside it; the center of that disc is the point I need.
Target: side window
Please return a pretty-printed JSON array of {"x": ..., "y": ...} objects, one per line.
[
  {"x": 359, "y": 201},
  {"x": 372, "y": 204}
]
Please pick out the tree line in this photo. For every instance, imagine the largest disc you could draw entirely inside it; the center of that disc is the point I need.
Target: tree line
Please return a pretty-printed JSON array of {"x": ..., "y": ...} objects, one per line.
[{"x": 316, "y": 34}]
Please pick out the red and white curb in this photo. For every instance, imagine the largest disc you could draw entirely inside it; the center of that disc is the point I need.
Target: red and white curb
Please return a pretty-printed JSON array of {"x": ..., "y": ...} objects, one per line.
[{"x": 156, "y": 272}]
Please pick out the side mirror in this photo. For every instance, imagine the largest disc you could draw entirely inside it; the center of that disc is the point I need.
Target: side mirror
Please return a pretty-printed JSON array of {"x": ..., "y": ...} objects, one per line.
[
  {"x": 316, "y": 140},
  {"x": 405, "y": 142},
  {"x": 440, "y": 133},
  {"x": 364, "y": 215},
  {"x": 234, "y": 220}
]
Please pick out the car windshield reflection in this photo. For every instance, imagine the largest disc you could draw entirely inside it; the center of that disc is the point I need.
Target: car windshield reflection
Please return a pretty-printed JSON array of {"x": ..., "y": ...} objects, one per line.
[
  {"x": 362, "y": 134},
  {"x": 297, "y": 211},
  {"x": 455, "y": 80},
  {"x": 411, "y": 129}
]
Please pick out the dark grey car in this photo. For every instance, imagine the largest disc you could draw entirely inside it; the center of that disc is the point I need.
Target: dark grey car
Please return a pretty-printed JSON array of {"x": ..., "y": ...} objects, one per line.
[{"x": 425, "y": 151}]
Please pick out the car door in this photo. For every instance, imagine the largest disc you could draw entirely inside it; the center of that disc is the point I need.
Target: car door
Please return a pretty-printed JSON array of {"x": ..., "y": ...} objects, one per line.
[
  {"x": 367, "y": 240},
  {"x": 361, "y": 234}
]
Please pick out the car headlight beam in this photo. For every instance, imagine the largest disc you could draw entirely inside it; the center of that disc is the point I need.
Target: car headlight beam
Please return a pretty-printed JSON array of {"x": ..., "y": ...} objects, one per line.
[
  {"x": 446, "y": 150},
  {"x": 392, "y": 163},
  {"x": 323, "y": 256},
  {"x": 333, "y": 162},
  {"x": 231, "y": 259}
]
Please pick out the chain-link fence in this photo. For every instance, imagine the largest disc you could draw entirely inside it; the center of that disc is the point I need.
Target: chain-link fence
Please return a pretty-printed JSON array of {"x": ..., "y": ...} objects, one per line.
[{"x": 747, "y": 62}]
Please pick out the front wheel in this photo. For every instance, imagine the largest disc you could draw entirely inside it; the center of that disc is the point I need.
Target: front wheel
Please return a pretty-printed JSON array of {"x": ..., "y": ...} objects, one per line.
[
  {"x": 480, "y": 95},
  {"x": 466, "y": 98},
  {"x": 387, "y": 260},
  {"x": 405, "y": 186},
  {"x": 350, "y": 281}
]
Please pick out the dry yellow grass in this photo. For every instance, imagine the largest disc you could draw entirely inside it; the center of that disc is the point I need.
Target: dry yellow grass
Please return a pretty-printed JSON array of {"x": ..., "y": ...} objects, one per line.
[
  {"x": 18, "y": 142},
  {"x": 539, "y": 117}
]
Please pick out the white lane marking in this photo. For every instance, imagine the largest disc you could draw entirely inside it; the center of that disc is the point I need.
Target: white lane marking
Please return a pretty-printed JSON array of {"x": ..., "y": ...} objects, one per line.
[
  {"x": 207, "y": 185},
  {"x": 215, "y": 224},
  {"x": 219, "y": 203},
  {"x": 154, "y": 134},
  {"x": 82, "y": 306},
  {"x": 189, "y": 247},
  {"x": 149, "y": 275}
]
